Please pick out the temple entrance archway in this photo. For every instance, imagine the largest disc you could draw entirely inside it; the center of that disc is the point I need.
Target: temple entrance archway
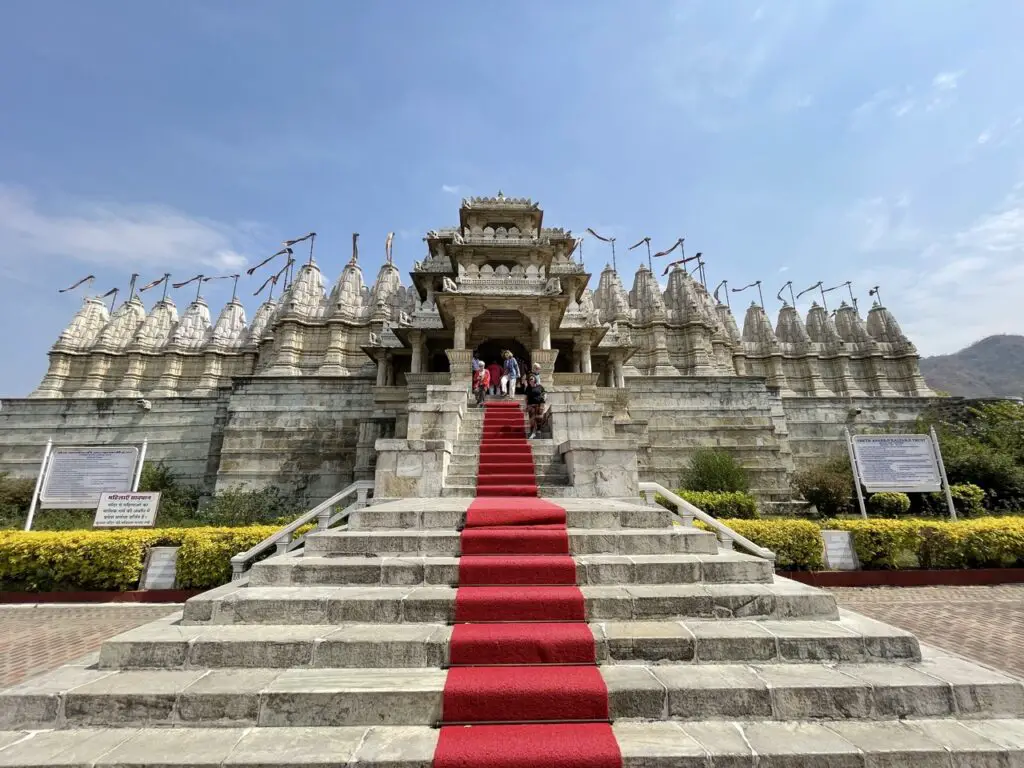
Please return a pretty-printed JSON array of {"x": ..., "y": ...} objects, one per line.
[
  {"x": 497, "y": 329},
  {"x": 490, "y": 351}
]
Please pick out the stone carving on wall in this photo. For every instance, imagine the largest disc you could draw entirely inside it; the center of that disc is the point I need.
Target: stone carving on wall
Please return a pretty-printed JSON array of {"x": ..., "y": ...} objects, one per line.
[
  {"x": 448, "y": 285},
  {"x": 553, "y": 287}
]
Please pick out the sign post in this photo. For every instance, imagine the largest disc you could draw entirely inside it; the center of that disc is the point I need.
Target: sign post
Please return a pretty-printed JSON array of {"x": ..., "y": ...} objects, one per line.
[
  {"x": 75, "y": 477},
  {"x": 900, "y": 463}
]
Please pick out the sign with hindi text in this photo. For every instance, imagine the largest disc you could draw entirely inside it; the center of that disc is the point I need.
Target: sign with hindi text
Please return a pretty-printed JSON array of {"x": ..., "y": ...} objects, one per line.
[
  {"x": 76, "y": 477},
  {"x": 904, "y": 463},
  {"x": 127, "y": 510}
]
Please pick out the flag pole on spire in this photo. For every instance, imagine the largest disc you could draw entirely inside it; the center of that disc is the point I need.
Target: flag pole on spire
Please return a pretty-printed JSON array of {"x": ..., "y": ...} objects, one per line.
[
  {"x": 87, "y": 279},
  {"x": 756, "y": 283},
  {"x": 611, "y": 240},
  {"x": 647, "y": 242},
  {"x": 724, "y": 283},
  {"x": 878, "y": 297}
]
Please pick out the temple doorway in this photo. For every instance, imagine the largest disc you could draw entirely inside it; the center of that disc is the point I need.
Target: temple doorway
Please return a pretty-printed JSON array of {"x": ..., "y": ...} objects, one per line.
[{"x": 490, "y": 351}]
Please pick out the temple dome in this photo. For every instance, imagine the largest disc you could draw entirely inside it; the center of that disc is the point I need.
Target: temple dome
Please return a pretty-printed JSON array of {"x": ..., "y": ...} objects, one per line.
[
  {"x": 193, "y": 329},
  {"x": 230, "y": 328},
  {"x": 757, "y": 328},
  {"x": 84, "y": 328},
  {"x": 125, "y": 321},
  {"x": 157, "y": 328}
]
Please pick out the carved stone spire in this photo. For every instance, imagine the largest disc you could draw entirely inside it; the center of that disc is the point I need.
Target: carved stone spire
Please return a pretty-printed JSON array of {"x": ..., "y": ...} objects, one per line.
[
  {"x": 156, "y": 329},
  {"x": 790, "y": 328},
  {"x": 883, "y": 326},
  {"x": 757, "y": 328},
  {"x": 304, "y": 298},
  {"x": 261, "y": 323},
  {"x": 728, "y": 321},
  {"x": 851, "y": 328},
  {"x": 348, "y": 297},
  {"x": 229, "y": 332},
  {"x": 124, "y": 323},
  {"x": 646, "y": 297},
  {"x": 193, "y": 329},
  {"x": 84, "y": 328},
  {"x": 611, "y": 298},
  {"x": 386, "y": 287},
  {"x": 821, "y": 328}
]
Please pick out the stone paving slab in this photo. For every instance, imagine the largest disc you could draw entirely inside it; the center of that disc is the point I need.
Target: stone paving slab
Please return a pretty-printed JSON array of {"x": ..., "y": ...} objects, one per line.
[
  {"x": 768, "y": 744},
  {"x": 984, "y": 623},
  {"x": 36, "y": 638}
]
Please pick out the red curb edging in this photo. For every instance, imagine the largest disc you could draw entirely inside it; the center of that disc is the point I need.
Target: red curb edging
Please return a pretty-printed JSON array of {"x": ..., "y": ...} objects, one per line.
[
  {"x": 134, "y": 596},
  {"x": 931, "y": 578}
]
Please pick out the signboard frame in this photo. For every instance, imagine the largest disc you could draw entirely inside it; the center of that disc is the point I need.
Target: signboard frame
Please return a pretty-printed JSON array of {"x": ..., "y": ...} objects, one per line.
[
  {"x": 39, "y": 500},
  {"x": 862, "y": 485}
]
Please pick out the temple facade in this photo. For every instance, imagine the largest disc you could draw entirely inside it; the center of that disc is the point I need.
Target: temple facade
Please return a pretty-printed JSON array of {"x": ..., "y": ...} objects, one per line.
[{"x": 301, "y": 395}]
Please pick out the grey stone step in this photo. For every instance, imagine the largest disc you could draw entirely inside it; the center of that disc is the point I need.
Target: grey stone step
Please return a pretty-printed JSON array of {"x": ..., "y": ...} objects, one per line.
[
  {"x": 722, "y": 568},
  {"x": 541, "y": 477},
  {"x": 469, "y": 491},
  {"x": 933, "y": 687},
  {"x": 166, "y": 644},
  {"x": 784, "y": 599},
  {"x": 796, "y": 744},
  {"x": 450, "y": 513},
  {"x": 582, "y": 541}
]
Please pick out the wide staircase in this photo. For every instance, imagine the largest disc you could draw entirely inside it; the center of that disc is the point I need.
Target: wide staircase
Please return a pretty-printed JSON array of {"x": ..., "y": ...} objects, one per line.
[{"x": 509, "y": 631}]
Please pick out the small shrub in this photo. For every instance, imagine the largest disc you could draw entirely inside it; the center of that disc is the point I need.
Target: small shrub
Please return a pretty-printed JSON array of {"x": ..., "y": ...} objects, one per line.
[
  {"x": 714, "y": 470},
  {"x": 736, "y": 505},
  {"x": 968, "y": 499},
  {"x": 888, "y": 504},
  {"x": 238, "y": 507},
  {"x": 796, "y": 543},
  {"x": 829, "y": 487},
  {"x": 16, "y": 492}
]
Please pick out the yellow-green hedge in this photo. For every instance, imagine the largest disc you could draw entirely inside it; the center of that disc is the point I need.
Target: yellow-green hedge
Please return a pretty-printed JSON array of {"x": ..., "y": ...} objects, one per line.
[
  {"x": 57, "y": 561},
  {"x": 796, "y": 543},
  {"x": 988, "y": 542}
]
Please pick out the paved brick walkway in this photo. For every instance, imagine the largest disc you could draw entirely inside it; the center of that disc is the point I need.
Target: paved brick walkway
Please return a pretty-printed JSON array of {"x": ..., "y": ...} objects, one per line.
[
  {"x": 34, "y": 639},
  {"x": 983, "y": 623}
]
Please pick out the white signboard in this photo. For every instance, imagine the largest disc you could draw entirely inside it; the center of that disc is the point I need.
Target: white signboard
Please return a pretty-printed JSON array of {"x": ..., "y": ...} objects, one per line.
[
  {"x": 839, "y": 552},
  {"x": 75, "y": 477},
  {"x": 904, "y": 463},
  {"x": 127, "y": 510}
]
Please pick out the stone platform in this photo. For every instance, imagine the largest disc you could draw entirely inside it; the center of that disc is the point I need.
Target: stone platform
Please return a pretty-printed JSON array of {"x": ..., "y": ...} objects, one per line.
[{"x": 336, "y": 656}]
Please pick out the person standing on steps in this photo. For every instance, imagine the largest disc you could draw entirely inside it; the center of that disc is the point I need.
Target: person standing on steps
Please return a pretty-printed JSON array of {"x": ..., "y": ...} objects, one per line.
[
  {"x": 535, "y": 402},
  {"x": 494, "y": 369},
  {"x": 535, "y": 371},
  {"x": 481, "y": 382},
  {"x": 510, "y": 376}
]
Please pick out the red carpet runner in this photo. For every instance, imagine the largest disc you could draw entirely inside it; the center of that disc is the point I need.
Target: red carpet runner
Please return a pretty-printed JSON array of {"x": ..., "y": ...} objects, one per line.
[{"x": 524, "y": 690}]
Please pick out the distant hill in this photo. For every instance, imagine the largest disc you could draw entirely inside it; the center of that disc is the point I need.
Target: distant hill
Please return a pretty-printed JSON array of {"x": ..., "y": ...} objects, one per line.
[{"x": 992, "y": 367}]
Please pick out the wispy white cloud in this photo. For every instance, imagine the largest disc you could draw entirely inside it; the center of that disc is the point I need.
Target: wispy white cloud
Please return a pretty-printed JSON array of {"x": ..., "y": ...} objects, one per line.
[
  {"x": 947, "y": 81},
  {"x": 143, "y": 237},
  {"x": 453, "y": 189},
  {"x": 959, "y": 287}
]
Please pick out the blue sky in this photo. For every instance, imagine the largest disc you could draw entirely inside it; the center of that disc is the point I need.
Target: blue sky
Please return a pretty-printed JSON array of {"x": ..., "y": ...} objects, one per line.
[{"x": 810, "y": 140}]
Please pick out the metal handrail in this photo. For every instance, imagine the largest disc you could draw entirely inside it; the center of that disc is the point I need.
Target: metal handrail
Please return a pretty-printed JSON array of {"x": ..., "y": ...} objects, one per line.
[
  {"x": 284, "y": 540},
  {"x": 686, "y": 512}
]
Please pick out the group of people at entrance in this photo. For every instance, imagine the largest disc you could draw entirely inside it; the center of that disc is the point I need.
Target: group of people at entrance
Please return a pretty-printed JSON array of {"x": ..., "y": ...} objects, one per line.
[{"x": 504, "y": 378}]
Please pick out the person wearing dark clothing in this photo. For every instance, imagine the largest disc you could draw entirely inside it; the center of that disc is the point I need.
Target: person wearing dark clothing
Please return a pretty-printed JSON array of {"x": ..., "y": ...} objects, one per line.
[{"x": 536, "y": 399}]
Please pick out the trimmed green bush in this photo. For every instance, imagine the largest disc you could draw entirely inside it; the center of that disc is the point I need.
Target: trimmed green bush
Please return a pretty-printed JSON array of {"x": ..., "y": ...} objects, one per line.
[
  {"x": 888, "y": 504},
  {"x": 828, "y": 486},
  {"x": 796, "y": 543},
  {"x": 719, "y": 504},
  {"x": 714, "y": 470}
]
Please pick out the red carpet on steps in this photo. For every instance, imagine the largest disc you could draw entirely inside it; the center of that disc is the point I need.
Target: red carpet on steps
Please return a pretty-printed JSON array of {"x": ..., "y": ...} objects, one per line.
[{"x": 523, "y": 659}]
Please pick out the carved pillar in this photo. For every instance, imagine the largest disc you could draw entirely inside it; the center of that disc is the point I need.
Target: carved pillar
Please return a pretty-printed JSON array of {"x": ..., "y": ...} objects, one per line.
[
  {"x": 459, "y": 342},
  {"x": 167, "y": 385},
  {"x": 287, "y": 360},
  {"x": 212, "y": 367},
  {"x": 417, "y": 339},
  {"x": 95, "y": 373},
  {"x": 334, "y": 356},
  {"x": 459, "y": 362},
  {"x": 620, "y": 375},
  {"x": 129, "y": 386},
  {"x": 585, "y": 362},
  {"x": 544, "y": 330},
  {"x": 382, "y": 369},
  {"x": 576, "y": 365},
  {"x": 52, "y": 385},
  {"x": 546, "y": 359}
]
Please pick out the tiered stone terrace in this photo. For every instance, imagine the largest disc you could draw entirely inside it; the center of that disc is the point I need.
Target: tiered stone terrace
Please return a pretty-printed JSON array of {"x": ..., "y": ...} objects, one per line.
[{"x": 335, "y": 656}]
